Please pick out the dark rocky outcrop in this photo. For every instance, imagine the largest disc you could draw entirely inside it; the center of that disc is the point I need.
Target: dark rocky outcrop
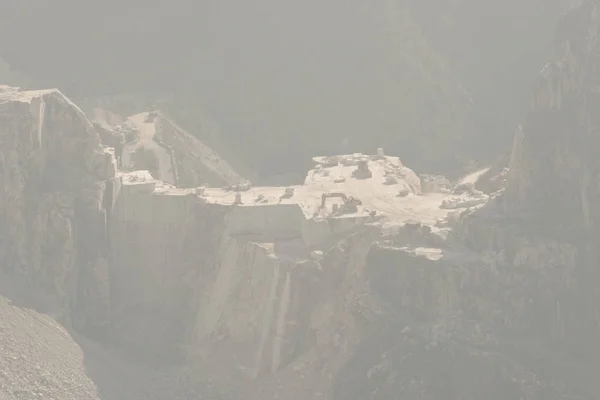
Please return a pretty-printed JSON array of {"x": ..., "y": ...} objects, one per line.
[
  {"x": 53, "y": 179},
  {"x": 520, "y": 321},
  {"x": 554, "y": 161}
]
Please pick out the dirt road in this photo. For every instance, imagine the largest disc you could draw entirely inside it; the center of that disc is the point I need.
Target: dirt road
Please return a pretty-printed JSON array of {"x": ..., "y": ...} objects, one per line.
[{"x": 147, "y": 130}]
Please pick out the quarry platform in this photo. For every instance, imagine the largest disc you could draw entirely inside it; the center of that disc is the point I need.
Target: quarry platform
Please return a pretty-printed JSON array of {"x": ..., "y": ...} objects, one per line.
[{"x": 334, "y": 200}]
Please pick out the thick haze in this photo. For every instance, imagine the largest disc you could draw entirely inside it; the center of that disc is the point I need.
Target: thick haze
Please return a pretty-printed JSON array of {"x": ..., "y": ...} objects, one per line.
[
  {"x": 290, "y": 79},
  {"x": 299, "y": 199}
]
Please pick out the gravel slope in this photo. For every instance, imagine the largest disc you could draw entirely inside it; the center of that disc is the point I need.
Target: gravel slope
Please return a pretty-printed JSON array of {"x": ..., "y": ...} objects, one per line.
[{"x": 40, "y": 359}]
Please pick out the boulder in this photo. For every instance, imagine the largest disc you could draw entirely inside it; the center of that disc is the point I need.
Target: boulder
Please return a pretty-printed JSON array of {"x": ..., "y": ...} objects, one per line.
[{"x": 435, "y": 184}]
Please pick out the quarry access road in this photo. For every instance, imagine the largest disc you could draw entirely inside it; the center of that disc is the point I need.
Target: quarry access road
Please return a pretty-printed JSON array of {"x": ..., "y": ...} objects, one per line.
[{"x": 147, "y": 130}]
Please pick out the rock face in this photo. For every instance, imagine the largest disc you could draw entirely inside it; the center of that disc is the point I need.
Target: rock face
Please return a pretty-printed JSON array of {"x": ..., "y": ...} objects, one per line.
[
  {"x": 196, "y": 163},
  {"x": 53, "y": 179},
  {"x": 435, "y": 184},
  {"x": 548, "y": 226},
  {"x": 554, "y": 164}
]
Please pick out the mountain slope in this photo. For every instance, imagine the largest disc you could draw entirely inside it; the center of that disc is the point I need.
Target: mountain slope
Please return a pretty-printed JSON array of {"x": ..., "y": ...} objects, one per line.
[
  {"x": 496, "y": 50},
  {"x": 286, "y": 81},
  {"x": 290, "y": 80}
]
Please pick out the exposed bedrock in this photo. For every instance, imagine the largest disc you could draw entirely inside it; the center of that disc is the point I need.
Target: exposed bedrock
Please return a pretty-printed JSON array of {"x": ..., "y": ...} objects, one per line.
[
  {"x": 554, "y": 164},
  {"x": 458, "y": 324},
  {"x": 53, "y": 179}
]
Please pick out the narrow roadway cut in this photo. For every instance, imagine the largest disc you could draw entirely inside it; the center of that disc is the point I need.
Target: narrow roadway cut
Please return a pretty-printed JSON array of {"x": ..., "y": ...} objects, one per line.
[{"x": 147, "y": 129}]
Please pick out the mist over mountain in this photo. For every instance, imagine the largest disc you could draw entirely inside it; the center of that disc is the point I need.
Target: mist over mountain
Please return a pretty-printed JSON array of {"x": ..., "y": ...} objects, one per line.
[
  {"x": 244, "y": 201},
  {"x": 287, "y": 80}
]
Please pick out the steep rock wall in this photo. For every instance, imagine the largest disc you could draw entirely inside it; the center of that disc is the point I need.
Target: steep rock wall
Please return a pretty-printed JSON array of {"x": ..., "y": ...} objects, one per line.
[
  {"x": 555, "y": 170},
  {"x": 328, "y": 314},
  {"x": 459, "y": 324},
  {"x": 188, "y": 282},
  {"x": 250, "y": 313},
  {"x": 53, "y": 175},
  {"x": 554, "y": 165},
  {"x": 534, "y": 290},
  {"x": 155, "y": 245}
]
